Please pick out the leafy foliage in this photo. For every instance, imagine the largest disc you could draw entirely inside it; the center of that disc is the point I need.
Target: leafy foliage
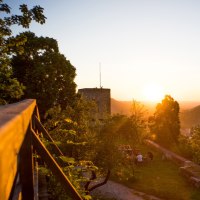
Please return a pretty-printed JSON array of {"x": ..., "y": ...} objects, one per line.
[
  {"x": 138, "y": 120},
  {"x": 46, "y": 73},
  {"x": 119, "y": 130},
  {"x": 184, "y": 147},
  {"x": 190, "y": 146},
  {"x": 195, "y": 143},
  {"x": 10, "y": 88},
  {"x": 72, "y": 128},
  {"x": 165, "y": 122}
]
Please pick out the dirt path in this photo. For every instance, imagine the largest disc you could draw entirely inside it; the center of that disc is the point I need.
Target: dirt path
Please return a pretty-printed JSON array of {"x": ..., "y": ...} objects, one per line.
[{"x": 116, "y": 191}]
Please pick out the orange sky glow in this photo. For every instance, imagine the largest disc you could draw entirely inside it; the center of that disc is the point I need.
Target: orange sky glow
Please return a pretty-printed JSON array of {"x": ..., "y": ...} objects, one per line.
[{"x": 146, "y": 48}]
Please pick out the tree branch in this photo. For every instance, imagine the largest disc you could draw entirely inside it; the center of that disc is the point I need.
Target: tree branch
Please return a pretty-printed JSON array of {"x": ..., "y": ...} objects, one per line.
[{"x": 100, "y": 184}]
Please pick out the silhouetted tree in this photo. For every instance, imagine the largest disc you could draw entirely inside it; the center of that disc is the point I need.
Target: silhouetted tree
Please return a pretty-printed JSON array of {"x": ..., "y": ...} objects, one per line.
[
  {"x": 165, "y": 123},
  {"x": 10, "y": 88},
  {"x": 138, "y": 120},
  {"x": 47, "y": 75},
  {"x": 133, "y": 128}
]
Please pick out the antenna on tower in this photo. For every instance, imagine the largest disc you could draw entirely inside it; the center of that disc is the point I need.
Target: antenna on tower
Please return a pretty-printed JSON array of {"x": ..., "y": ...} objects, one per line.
[{"x": 100, "y": 74}]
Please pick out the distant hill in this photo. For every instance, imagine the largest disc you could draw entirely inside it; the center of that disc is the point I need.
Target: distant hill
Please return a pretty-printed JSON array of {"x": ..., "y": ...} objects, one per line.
[
  {"x": 120, "y": 107},
  {"x": 186, "y": 105},
  {"x": 189, "y": 110},
  {"x": 124, "y": 107},
  {"x": 190, "y": 118}
]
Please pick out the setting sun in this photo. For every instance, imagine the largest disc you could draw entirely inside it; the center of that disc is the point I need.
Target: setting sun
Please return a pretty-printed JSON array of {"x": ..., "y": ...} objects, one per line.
[{"x": 153, "y": 92}]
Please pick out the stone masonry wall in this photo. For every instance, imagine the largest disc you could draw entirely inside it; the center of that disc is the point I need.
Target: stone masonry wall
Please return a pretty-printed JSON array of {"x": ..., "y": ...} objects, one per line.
[
  {"x": 102, "y": 98},
  {"x": 187, "y": 168}
]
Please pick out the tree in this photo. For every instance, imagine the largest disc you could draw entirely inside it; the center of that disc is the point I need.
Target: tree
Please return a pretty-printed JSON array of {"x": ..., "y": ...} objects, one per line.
[
  {"x": 46, "y": 73},
  {"x": 165, "y": 123},
  {"x": 138, "y": 120},
  {"x": 190, "y": 146},
  {"x": 134, "y": 127},
  {"x": 107, "y": 141},
  {"x": 10, "y": 88},
  {"x": 119, "y": 130},
  {"x": 73, "y": 130},
  {"x": 72, "y": 126}
]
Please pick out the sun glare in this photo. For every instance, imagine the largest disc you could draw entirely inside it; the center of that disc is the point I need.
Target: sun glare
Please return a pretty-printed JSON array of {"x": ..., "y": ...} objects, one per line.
[{"x": 153, "y": 92}]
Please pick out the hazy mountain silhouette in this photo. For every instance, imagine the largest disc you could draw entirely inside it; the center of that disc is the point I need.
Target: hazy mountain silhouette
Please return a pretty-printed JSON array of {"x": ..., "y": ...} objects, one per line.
[
  {"x": 190, "y": 118},
  {"x": 124, "y": 107},
  {"x": 120, "y": 107},
  {"x": 187, "y": 105},
  {"x": 189, "y": 110}
]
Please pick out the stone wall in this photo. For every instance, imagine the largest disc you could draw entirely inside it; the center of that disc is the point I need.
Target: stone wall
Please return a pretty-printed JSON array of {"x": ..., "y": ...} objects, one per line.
[
  {"x": 101, "y": 97},
  {"x": 187, "y": 168}
]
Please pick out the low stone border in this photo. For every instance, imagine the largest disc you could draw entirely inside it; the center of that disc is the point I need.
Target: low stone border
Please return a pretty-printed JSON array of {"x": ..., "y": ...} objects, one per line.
[{"x": 187, "y": 168}]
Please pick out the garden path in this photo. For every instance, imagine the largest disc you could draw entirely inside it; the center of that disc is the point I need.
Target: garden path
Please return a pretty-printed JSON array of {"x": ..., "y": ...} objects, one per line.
[{"x": 116, "y": 191}]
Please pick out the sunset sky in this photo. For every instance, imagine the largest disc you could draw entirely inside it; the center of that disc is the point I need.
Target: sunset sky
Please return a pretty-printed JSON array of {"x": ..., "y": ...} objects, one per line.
[{"x": 147, "y": 48}]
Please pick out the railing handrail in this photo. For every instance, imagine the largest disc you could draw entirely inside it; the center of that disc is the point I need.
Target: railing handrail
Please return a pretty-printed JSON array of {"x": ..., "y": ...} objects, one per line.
[
  {"x": 16, "y": 113},
  {"x": 14, "y": 122},
  {"x": 17, "y": 136}
]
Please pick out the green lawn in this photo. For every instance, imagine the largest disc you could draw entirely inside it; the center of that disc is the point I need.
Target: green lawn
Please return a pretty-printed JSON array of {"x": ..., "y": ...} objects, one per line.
[{"x": 158, "y": 177}]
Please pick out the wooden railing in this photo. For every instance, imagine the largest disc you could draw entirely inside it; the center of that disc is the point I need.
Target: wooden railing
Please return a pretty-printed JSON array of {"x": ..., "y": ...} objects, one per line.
[{"x": 20, "y": 128}]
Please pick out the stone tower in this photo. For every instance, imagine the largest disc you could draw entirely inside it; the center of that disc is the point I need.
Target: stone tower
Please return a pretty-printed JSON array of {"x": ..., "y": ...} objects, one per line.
[{"x": 101, "y": 96}]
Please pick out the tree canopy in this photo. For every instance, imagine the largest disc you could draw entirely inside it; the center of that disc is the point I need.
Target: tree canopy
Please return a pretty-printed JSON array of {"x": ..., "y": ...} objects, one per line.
[
  {"x": 138, "y": 120},
  {"x": 165, "y": 123},
  {"x": 47, "y": 75},
  {"x": 10, "y": 88}
]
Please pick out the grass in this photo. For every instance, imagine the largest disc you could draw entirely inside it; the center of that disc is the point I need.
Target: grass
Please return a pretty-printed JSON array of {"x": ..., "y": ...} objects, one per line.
[{"x": 158, "y": 177}]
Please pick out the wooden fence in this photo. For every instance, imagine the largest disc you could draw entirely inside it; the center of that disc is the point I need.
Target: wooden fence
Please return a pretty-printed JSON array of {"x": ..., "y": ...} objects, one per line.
[{"x": 20, "y": 128}]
